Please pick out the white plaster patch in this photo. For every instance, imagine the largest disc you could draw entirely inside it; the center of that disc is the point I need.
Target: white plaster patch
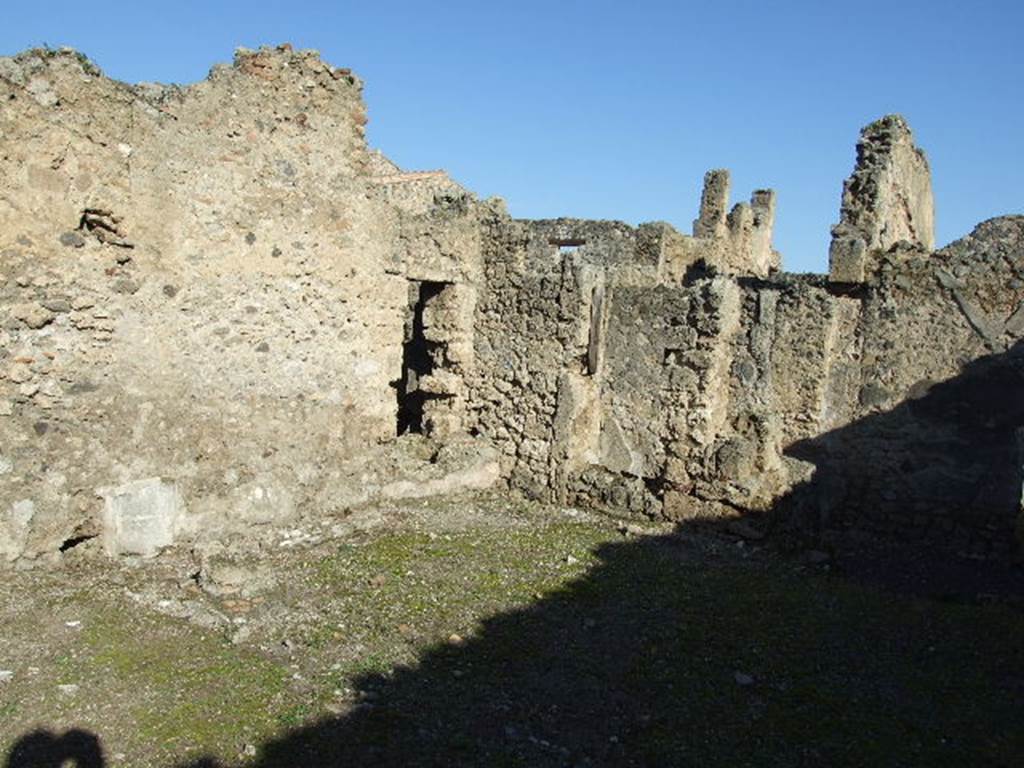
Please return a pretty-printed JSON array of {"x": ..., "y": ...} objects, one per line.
[
  {"x": 142, "y": 517},
  {"x": 366, "y": 367},
  {"x": 14, "y": 528}
]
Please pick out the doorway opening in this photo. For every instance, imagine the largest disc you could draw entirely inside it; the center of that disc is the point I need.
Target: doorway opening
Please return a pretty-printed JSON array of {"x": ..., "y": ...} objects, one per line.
[{"x": 419, "y": 358}]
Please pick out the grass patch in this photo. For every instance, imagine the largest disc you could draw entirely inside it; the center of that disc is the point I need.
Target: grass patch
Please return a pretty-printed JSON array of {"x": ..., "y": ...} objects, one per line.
[{"x": 188, "y": 692}]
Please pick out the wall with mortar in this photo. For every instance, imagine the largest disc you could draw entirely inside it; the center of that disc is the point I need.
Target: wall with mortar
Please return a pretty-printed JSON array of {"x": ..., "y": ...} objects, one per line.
[
  {"x": 212, "y": 298},
  {"x": 204, "y": 291},
  {"x": 647, "y": 372}
]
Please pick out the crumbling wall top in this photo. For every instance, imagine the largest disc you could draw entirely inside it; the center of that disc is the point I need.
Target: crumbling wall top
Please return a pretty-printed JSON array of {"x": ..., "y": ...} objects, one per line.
[{"x": 887, "y": 200}]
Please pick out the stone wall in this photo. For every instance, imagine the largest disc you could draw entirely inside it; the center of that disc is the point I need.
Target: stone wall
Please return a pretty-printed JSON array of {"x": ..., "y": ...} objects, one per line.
[
  {"x": 646, "y": 372},
  {"x": 887, "y": 200},
  {"x": 203, "y": 289},
  {"x": 221, "y": 310}
]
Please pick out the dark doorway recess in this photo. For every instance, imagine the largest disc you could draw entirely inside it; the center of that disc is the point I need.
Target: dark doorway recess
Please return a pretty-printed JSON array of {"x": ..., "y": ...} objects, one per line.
[{"x": 419, "y": 357}]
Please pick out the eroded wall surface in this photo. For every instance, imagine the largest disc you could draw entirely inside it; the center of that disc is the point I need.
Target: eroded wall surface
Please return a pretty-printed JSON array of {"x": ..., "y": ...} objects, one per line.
[
  {"x": 205, "y": 289},
  {"x": 221, "y": 310},
  {"x": 648, "y": 372}
]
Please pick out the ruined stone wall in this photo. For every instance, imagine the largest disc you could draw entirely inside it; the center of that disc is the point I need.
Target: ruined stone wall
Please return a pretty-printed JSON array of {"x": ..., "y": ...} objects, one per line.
[
  {"x": 934, "y": 451},
  {"x": 524, "y": 341},
  {"x": 577, "y": 327},
  {"x": 792, "y": 398},
  {"x": 737, "y": 240},
  {"x": 203, "y": 296},
  {"x": 220, "y": 310},
  {"x": 692, "y": 381},
  {"x": 887, "y": 200}
]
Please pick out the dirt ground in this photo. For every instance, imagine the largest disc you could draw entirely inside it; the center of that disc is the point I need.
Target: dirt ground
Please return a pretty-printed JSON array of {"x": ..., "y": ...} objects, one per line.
[{"x": 484, "y": 631}]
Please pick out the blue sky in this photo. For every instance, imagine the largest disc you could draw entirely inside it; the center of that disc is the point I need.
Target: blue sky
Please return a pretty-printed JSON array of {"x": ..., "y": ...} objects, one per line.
[{"x": 615, "y": 110}]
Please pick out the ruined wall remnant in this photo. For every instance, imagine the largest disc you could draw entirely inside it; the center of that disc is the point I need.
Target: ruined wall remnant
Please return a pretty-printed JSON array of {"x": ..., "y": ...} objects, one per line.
[
  {"x": 219, "y": 310},
  {"x": 207, "y": 285},
  {"x": 887, "y": 200},
  {"x": 738, "y": 240}
]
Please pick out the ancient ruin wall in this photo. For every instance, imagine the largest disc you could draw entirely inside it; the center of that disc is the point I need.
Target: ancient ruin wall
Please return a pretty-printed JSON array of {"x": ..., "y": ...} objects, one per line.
[
  {"x": 221, "y": 310},
  {"x": 887, "y": 200},
  {"x": 654, "y": 373},
  {"x": 204, "y": 297}
]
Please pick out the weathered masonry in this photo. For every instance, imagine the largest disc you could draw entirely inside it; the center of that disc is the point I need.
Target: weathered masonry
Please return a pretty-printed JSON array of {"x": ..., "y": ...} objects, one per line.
[{"x": 221, "y": 310}]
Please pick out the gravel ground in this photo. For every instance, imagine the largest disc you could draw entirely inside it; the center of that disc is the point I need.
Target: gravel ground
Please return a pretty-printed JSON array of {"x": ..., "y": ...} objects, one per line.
[{"x": 484, "y": 631}]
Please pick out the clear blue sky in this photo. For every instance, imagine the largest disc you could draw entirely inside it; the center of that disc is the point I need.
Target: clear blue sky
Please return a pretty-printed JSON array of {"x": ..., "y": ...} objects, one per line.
[{"x": 615, "y": 110}]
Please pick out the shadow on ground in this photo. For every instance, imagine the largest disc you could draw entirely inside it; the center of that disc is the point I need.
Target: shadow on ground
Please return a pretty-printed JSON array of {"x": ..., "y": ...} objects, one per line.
[
  {"x": 43, "y": 749},
  {"x": 663, "y": 656},
  {"x": 683, "y": 650}
]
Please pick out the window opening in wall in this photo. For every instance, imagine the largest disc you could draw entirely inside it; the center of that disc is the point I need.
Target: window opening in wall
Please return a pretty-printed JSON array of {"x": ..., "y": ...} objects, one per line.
[
  {"x": 567, "y": 244},
  {"x": 419, "y": 357}
]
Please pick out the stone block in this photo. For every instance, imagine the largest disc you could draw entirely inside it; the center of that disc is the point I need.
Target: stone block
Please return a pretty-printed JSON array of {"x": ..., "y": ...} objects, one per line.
[
  {"x": 262, "y": 501},
  {"x": 141, "y": 517},
  {"x": 847, "y": 260},
  {"x": 680, "y": 506},
  {"x": 15, "y": 524}
]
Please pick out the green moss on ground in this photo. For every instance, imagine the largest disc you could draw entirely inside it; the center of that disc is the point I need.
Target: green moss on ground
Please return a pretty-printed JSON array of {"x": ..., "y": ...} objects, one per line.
[{"x": 546, "y": 641}]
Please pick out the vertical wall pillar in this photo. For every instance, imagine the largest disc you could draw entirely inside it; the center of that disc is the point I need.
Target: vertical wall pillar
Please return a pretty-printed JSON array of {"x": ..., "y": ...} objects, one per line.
[{"x": 714, "y": 206}]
